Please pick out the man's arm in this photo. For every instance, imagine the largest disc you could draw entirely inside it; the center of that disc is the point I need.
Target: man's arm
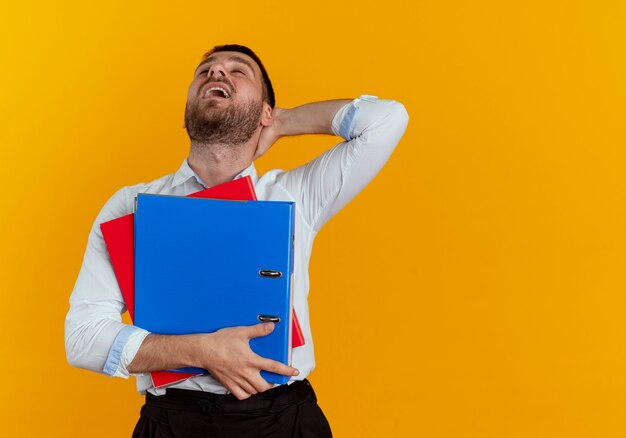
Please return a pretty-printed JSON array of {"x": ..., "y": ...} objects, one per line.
[
  {"x": 97, "y": 340},
  {"x": 225, "y": 353},
  {"x": 95, "y": 337},
  {"x": 371, "y": 129},
  {"x": 311, "y": 118}
]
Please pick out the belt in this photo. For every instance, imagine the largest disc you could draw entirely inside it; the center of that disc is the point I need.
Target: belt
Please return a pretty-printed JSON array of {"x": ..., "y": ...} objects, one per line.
[{"x": 275, "y": 399}]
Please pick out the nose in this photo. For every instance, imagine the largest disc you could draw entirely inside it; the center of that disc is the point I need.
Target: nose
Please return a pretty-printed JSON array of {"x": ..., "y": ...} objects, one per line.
[{"x": 217, "y": 70}]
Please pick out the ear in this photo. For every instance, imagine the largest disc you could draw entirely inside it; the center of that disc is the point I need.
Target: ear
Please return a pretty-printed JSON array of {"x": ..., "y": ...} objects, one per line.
[{"x": 267, "y": 116}]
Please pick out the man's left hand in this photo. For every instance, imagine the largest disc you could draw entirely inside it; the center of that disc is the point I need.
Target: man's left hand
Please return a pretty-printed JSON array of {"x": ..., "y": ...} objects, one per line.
[{"x": 269, "y": 134}]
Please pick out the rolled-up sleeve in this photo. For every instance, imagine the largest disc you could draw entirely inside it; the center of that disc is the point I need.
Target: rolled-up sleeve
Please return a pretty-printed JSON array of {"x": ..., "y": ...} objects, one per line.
[
  {"x": 371, "y": 128},
  {"x": 123, "y": 350},
  {"x": 95, "y": 337}
]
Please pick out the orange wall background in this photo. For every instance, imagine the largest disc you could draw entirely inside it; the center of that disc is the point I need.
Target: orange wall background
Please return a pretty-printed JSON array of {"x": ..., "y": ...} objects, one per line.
[{"x": 474, "y": 289}]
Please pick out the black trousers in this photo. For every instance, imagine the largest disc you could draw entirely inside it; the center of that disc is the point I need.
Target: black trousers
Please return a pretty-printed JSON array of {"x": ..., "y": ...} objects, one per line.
[{"x": 284, "y": 411}]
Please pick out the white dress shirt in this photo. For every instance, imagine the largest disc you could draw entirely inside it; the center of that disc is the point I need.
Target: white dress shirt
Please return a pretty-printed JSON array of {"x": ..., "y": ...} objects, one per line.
[{"x": 95, "y": 337}]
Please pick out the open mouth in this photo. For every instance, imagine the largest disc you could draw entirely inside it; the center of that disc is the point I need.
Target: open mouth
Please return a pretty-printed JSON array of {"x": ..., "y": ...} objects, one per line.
[{"x": 217, "y": 92}]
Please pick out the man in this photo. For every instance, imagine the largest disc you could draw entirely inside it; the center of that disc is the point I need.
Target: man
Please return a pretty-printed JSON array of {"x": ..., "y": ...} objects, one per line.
[{"x": 231, "y": 120}]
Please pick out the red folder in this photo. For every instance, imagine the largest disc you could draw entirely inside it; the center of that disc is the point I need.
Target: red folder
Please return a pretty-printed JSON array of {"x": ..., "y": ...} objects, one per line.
[{"x": 119, "y": 238}]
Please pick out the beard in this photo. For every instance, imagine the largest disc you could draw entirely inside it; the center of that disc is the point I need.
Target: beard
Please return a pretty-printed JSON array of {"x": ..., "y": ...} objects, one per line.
[{"x": 206, "y": 123}]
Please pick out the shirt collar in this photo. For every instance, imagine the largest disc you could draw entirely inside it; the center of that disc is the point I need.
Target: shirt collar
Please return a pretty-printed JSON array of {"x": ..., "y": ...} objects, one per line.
[{"x": 185, "y": 173}]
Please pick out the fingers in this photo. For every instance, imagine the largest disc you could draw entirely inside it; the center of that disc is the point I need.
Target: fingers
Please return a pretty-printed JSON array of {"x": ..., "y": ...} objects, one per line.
[
  {"x": 238, "y": 368},
  {"x": 251, "y": 380},
  {"x": 236, "y": 384},
  {"x": 254, "y": 383},
  {"x": 247, "y": 387},
  {"x": 238, "y": 392},
  {"x": 258, "y": 330},
  {"x": 276, "y": 367},
  {"x": 243, "y": 386},
  {"x": 260, "y": 384}
]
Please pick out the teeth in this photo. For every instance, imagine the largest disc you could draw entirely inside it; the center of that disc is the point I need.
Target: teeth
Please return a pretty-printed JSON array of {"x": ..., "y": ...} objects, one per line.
[{"x": 224, "y": 92}]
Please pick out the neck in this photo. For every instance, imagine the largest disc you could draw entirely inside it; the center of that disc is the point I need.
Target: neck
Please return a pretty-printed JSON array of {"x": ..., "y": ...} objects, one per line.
[{"x": 218, "y": 163}]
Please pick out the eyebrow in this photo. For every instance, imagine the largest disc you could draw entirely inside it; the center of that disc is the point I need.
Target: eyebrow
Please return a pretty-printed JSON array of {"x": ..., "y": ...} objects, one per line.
[{"x": 235, "y": 58}]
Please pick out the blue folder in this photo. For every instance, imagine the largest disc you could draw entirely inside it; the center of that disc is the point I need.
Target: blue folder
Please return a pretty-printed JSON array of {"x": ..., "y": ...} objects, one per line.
[{"x": 204, "y": 264}]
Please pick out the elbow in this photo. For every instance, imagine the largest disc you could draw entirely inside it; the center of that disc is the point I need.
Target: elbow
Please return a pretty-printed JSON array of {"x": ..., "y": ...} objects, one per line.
[
  {"x": 90, "y": 331},
  {"x": 400, "y": 115},
  {"x": 73, "y": 351},
  {"x": 393, "y": 123},
  {"x": 84, "y": 347},
  {"x": 390, "y": 121},
  {"x": 70, "y": 344},
  {"x": 74, "y": 359}
]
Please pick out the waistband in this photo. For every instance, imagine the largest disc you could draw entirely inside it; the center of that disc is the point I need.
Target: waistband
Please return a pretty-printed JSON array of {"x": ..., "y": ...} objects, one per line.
[{"x": 274, "y": 399}]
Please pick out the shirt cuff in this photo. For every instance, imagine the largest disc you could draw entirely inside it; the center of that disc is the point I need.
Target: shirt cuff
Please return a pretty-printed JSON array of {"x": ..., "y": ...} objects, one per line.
[
  {"x": 123, "y": 351},
  {"x": 344, "y": 120}
]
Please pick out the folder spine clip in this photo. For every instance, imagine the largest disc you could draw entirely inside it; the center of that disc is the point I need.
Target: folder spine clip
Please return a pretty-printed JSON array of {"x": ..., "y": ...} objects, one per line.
[
  {"x": 268, "y": 273},
  {"x": 269, "y": 318}
]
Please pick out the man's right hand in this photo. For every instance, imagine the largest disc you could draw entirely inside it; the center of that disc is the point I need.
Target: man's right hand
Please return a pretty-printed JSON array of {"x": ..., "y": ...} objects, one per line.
[
  {"x": 226, "y": 354},
  {"x": 230, "y": 360}
]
